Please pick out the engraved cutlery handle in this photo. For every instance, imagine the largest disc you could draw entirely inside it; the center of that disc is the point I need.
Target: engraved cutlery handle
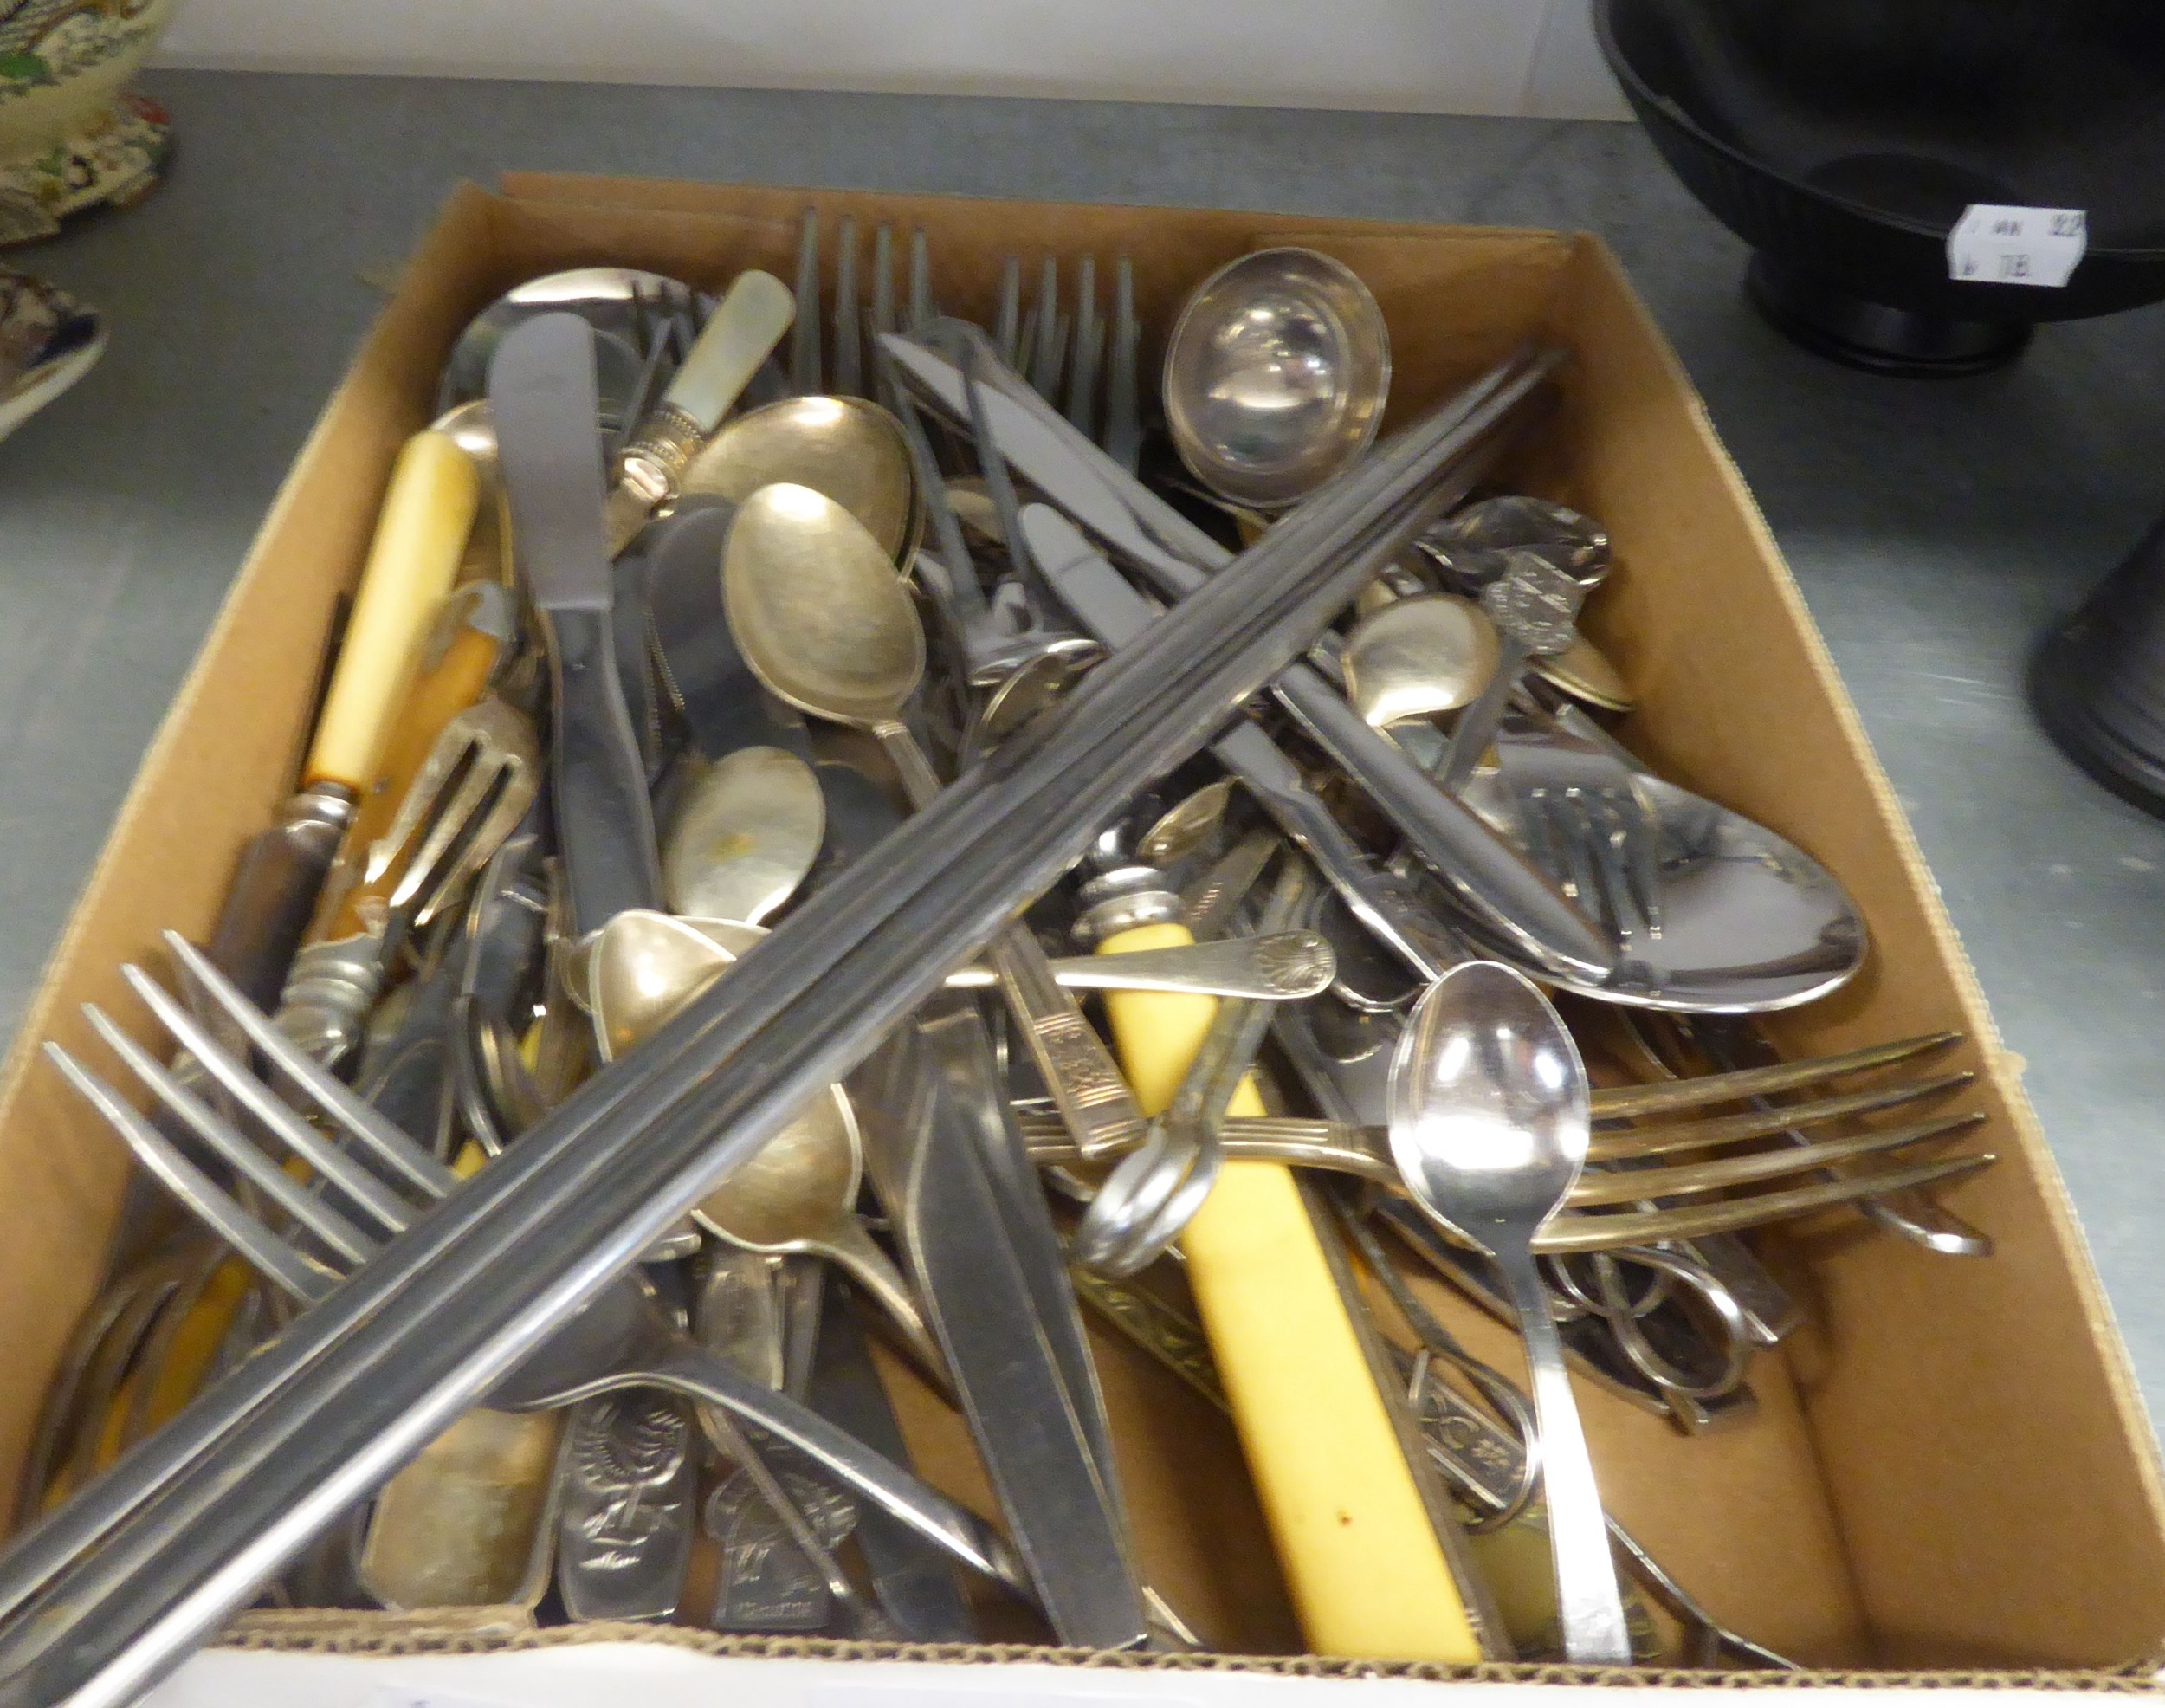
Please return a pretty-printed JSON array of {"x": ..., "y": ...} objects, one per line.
[{"x": 1086, "y": 1085}]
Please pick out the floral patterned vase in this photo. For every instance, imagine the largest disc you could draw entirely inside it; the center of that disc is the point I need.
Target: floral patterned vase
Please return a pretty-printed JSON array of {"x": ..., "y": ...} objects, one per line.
[{"x": 72, "y": 134}]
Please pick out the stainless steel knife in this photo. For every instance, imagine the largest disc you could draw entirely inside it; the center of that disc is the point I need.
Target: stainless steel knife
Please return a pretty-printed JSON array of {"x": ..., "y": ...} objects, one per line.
[
  {"x": 916, "y": 1583},
  {"x": 542, "y": 389},
  {"x": 1063, "y": 1513}
]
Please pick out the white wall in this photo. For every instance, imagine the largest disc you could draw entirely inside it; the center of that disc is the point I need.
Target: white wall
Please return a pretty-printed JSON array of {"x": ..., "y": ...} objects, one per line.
[{"x": 1484, "y": 57}]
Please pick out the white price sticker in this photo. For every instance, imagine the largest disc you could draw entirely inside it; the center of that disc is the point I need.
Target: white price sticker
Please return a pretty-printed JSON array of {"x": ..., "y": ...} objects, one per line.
[{"x": 1994, "y": 245}]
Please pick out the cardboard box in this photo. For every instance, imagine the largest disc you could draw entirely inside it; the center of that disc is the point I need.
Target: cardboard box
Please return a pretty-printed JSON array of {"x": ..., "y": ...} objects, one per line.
[{"x": 1950, "y": 1468}]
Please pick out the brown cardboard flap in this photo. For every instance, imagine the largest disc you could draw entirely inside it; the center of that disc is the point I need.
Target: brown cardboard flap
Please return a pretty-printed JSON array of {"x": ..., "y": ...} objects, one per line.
[{"x": 1951, "y": 1468}]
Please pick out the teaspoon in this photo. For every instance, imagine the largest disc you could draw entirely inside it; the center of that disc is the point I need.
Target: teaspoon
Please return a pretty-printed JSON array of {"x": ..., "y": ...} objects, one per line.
[
  {"x": 1489, "y": 1127},
  {"x": 798, "y": 1193}
]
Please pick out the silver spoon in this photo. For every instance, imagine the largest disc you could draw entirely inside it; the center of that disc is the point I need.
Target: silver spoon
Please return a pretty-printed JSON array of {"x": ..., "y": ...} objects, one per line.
[
  {"x": 799, "y": 1192},
  {"x": 748, "y": 832},
  {"x": 825, "y": 621},
  {"x": 1419, "y": 657},
  {"x": 1276, "y": 376},
  {"x": 1488, "y": 1128}
]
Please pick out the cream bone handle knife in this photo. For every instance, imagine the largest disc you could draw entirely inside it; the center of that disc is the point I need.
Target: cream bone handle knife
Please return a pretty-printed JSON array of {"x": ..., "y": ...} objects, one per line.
[{"x": 747, "y": 325}]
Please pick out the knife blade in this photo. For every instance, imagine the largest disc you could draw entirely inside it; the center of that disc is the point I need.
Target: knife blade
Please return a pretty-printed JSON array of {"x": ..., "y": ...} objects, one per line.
[
  {"x": 542, "y": 389},
  {"x": 1065, "y": 1517},
  {"x": 962, "y": 1050},
  {"x": 1485, "y": 872}
]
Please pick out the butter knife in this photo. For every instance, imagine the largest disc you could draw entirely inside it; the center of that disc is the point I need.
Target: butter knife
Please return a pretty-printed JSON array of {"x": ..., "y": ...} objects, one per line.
[{"x": 542, "y": 388}]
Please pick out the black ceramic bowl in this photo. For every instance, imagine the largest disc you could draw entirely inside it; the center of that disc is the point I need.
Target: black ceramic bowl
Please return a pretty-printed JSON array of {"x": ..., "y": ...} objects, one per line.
[{"x": 1843, "y": 139}]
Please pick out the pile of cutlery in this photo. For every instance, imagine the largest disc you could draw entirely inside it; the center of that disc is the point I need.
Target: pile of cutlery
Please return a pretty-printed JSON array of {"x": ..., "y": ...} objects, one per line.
[{"x": 841, "y": 846}]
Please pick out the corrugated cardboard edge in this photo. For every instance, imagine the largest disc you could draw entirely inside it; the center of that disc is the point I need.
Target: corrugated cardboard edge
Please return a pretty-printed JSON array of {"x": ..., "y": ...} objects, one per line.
[
  {"x": 327, "y": 1635},
  {"x": 2004, "y": 1067}
]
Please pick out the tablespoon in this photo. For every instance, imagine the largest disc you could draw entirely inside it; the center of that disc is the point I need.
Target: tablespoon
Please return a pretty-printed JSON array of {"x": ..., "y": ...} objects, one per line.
[
  {"x": 1488, "y": 1128},
  {"x": 799, "y": 1192},
  {"x": 825, "y": 621},
  {"x": 851, "y": 450}
]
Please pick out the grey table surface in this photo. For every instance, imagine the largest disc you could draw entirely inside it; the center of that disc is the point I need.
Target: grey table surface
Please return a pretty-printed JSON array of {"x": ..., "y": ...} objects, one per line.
[{"x": 1937, "y": 529}]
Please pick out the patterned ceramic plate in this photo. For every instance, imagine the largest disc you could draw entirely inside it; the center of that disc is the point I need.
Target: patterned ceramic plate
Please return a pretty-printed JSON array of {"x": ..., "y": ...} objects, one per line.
[{"x": 48, "y": 341}]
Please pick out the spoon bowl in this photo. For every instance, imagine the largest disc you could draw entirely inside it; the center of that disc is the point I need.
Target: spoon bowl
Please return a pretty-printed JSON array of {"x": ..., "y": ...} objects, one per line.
[
  {"x": 748, "y": 832},
  {"x": 1416, "y": 657},
  {"x": 643, "y": 968},
  {"x": 799, "y": 1191},
  {"x": 1035, "y": 686},
  {"x": 1489, "y": 1105},
  {"x": 851, "y": 450},
  {"x": 1713, "y": 912},
  {"x": 607, "y": 298},
  {"x": 817, "y": 609},
  {"x": 1276, "y": 376},
  {"x": 1583, "y": 671}
]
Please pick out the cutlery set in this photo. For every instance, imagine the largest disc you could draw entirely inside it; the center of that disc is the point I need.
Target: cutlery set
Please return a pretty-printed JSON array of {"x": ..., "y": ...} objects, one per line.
[{"x": 847, "y": 850}]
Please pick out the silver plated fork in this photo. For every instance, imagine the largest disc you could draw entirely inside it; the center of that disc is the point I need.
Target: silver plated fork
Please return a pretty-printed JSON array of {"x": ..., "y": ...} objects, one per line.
[{"x": 382, "y": 1181}]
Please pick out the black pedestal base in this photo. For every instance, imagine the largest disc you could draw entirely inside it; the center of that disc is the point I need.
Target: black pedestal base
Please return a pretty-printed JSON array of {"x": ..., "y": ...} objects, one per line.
[{"x": 1835, "y": 322}]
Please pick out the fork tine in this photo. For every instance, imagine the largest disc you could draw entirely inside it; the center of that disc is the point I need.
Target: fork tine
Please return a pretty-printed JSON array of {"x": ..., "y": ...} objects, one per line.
[
  {"x": 1007, "y": 327},
  {"x": 1089, "y": 345},
  {"x": 883, "y": 384},
  {"x": 1620, "y": 1103},
  {"x": 1726, "y": 1129},
  {"x": 922, "y": 308},
  {"x": 507, "y": 810},
  {"x": 1632, "y": 1186},
  {"x": 1642, "y": 859},
  {"x": 331, "y": 1095},
  {"x": 491, "y": 751},
  {"x": 688, "y": 319},
  {"x": 1123, "y": 424},
  {"x": 239, "y": 1151},
  {"x": 476, "y": 782},
  {"x": 653, "y": 332},
  {"x": 1044, "y": 353},
  {"x": 849, "y": 362},
  {"x": 803, "y": 344},
  {"x": 449, "y": 757},
  {"x": 271, "y": 1256},
  {"x": 1571, "y": 1232},
  {"x": 324, "y": 1157}
]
